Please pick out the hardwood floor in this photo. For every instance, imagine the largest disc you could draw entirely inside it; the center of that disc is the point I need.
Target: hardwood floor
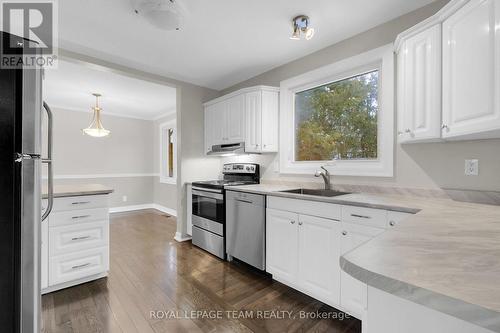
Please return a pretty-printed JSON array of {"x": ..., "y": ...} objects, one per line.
[{"x": 149, "y": 271}]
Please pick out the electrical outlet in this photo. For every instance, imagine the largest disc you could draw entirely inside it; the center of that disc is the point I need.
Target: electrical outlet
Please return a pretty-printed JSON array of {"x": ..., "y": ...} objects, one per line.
[
  {"x": 124, "y": 198},
  {"x": 471, "y": 167}
]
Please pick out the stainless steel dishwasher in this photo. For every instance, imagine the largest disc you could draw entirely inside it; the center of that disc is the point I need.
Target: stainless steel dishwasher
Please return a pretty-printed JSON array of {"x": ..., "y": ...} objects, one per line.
[{"x": 246, "y": 228}]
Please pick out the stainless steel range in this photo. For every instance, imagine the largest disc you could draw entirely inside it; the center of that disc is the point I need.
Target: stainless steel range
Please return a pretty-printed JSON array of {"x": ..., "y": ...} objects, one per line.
[{"x": 209, "y": 206}]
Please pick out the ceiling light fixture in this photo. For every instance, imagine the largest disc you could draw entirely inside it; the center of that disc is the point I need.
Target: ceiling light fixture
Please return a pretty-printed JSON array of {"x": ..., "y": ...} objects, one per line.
[
  {"x": 162, "y": 14},
  {"x": 301, "y": 24},
  {"x": 95, "y": 128}
]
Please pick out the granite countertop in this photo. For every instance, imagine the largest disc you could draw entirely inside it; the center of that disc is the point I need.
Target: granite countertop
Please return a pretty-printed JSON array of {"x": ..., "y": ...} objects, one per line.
[
  {"x": 445, "y": 257},
  {"x": 77, "y": 190}
]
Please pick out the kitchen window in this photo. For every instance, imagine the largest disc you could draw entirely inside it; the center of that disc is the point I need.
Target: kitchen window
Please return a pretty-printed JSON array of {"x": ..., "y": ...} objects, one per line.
[
  {"x": 168, "y": 152},
  {"x": 341, "y": 116}
]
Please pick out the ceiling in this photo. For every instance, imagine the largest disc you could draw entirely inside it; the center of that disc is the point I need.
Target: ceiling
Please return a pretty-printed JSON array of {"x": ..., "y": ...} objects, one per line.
[
  {"x": 71, "y": 85},
  {"x": 223, "y": 42}
]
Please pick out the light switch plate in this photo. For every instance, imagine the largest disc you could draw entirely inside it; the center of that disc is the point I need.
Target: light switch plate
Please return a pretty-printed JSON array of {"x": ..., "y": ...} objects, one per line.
[{"x": 471, "y": 167}]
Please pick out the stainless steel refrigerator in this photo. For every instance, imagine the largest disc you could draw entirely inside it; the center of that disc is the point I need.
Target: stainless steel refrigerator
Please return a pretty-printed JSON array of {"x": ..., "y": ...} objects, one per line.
[{"x": 21, "y": 109}]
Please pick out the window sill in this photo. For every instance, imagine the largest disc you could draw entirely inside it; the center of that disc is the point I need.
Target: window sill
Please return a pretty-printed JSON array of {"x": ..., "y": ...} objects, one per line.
[{"x": 168, "y": 180}]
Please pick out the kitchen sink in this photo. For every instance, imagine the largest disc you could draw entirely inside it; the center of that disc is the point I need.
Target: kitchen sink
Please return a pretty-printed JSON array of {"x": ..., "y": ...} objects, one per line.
[{"x": 317, "y": 192}]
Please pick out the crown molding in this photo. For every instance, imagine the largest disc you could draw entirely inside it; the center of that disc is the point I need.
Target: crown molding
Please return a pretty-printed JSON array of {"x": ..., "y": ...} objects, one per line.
[{"x": 104, "y": 113}]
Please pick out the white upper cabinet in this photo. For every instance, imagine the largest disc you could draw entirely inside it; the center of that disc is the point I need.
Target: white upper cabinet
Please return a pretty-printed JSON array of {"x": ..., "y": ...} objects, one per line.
[
  {"x": 209, "y": 128},
  {"x": 471, "y": 71},
  {"x": 419, "y": 86},
  {"x": 235, "y": 117},
  {"x": 449, "y": 74},
  {"x": 249, "y": 115},
  {"x": 253, "y": 117},
  {"x": 262, "y": 121}
]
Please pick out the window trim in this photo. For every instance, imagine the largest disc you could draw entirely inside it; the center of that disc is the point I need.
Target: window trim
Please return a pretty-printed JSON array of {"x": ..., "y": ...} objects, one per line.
[
  {"x": 162, "y": 157},
  {"x": 382, "y": 59}
]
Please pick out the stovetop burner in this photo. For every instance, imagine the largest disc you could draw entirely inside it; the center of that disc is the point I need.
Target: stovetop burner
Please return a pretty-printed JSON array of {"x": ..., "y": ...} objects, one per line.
[
  {"x": 234, "y": 174},
  {"x": 221, "y": 183}
]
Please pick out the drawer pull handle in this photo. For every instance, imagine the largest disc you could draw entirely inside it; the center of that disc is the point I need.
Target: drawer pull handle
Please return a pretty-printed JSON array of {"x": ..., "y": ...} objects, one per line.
[
  {"x": 80, "y": 217},
  {"x": 344, "y": 233},
  {"x": 245, "y": 201},
  {"x": 80, "y": 266},
  {"x": 361, "y": 216},
  {"x": 80, "y": 238},
  {"x": 80, "y": 202}
]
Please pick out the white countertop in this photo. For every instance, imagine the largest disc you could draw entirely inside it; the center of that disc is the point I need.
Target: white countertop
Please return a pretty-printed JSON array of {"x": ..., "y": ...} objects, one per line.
[{"x": 77, "y": 190}]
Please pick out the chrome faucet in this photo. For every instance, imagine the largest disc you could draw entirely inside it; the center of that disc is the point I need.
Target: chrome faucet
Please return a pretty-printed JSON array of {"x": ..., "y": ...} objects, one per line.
[{"x": 326, "y": 177}]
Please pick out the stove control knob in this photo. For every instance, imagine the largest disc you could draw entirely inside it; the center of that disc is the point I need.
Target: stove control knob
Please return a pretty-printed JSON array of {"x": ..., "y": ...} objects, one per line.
[{"x": 248, "y": 168}]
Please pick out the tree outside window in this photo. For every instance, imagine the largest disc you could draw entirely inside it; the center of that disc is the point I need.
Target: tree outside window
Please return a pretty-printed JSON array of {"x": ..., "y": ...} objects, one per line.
[{"x": 338, "y": 120}]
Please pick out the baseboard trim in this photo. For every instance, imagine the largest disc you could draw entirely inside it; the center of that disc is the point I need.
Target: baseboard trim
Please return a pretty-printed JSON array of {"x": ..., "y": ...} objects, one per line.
[
  {"x": 165, "y": 210},
  {"x": 181, "y": 238},
  {"x": 161, "y": 208}
]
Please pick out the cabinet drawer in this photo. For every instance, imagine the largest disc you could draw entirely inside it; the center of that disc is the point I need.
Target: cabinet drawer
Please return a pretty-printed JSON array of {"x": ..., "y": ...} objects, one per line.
[
  {"x": 74, "y": 217},
  {"x": 72, "y": 238},
  {"x": 366, "y": 216},
  {"x": 68, "y": 267},
  {"x": 83, "y": 202},
  {"x": 306, "y": 207}
]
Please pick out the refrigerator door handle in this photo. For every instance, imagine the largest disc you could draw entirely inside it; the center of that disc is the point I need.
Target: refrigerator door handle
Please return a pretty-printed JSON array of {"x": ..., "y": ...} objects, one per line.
[{"x": 48, "y": 161}]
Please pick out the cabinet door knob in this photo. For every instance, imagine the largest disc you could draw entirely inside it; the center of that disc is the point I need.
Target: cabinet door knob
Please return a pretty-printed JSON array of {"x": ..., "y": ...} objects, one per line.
[
  {"x": 292, "y": 222},
  {"x": 444, "y": 126},
  {"x": 392, "y": 223},
  {"x": 407, "y": 130},
  {"x": 344, "y": 233},
  {"x": 300, "y": 222}
]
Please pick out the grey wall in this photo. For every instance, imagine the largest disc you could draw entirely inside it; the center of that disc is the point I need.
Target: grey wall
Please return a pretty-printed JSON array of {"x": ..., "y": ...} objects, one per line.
[
  {"x": 128, "y": 150},
  {"x": 438, "y": 165},
  {"x": 192, "y": 163}
]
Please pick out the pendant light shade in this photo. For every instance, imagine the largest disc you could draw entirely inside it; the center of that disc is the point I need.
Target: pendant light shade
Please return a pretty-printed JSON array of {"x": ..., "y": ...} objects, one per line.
[{"x": 95, "y": 128}]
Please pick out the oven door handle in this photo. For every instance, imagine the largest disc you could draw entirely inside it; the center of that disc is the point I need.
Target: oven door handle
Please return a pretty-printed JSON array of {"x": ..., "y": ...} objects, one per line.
[
  {"x": 206, "y": 189},
  {"x": 205, "y": 194}
]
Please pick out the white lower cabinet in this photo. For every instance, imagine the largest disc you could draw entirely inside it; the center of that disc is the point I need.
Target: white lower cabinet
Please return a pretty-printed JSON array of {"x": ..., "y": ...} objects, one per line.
[
  {"x": 297, "y": 247},
  {"x": 78, "y": 265},
  {"x": 353, "y": 294},
  {"x": 303, "y": 249},
  {"x": 75, "y": 242},
  {"x": 282, "y": 245},
  {"x": 318, "y": 244}
]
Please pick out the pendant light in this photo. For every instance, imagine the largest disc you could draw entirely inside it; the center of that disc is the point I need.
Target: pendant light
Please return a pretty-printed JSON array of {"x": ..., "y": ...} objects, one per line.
[{"x": 95, "y": 128}]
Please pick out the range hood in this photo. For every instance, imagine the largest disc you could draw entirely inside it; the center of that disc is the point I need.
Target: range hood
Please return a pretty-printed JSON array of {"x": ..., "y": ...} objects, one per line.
[{"x": 228, "y": 149}]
